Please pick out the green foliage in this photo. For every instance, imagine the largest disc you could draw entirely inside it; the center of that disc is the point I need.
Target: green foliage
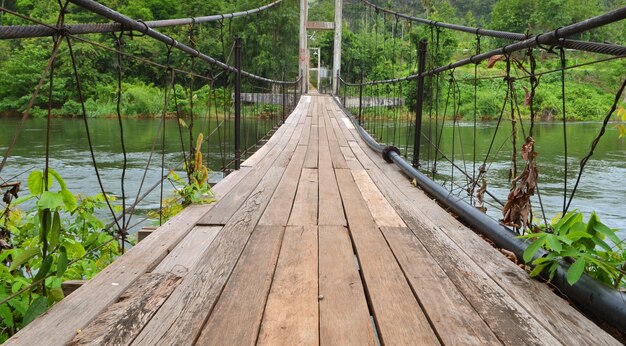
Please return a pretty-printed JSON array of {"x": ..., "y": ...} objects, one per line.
[
  {"x": 585, "y": 245},
  {"x": 58, "y": 239},
  {"x": 196, "y": 190}
]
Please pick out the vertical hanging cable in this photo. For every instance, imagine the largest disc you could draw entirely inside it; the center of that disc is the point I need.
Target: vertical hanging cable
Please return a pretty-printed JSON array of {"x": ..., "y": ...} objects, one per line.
[
  {"x": 563, "y": 63},
  {"x": 168, "y": 89},
  {"x": 475, "y": 121},
  {"x": 122, "y": 232},
  {"x": 511, "y": 92}
]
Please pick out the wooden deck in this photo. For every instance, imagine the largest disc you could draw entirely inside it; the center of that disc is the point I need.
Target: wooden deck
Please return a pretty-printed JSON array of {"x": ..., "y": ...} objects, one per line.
[{"x": 316, "y": 240}]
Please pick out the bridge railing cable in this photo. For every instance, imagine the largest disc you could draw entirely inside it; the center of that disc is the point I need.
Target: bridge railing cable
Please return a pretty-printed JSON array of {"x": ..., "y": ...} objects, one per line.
[
  {"x": 135, "y": 25},
  {"x": 30, "y": 31},
  {"x": 551, "y": 38},
  {"x": 491, "y": 174}
]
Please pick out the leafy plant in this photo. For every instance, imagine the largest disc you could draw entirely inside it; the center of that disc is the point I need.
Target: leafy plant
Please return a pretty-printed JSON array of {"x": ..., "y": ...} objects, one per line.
[
  {"x": 585, "y": 245},
  {"x": 58, "y": 239},
  {"x": 195, "y": 191}
]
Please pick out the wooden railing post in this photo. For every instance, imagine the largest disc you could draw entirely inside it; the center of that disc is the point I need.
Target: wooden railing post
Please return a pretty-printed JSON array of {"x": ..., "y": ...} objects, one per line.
[
  {"x": 237, "y": 102},
  {"x": 420, "y": 102}
]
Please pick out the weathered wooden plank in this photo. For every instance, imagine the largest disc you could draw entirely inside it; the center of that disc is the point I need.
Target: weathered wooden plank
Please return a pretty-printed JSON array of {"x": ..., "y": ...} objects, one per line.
[
  {"x": 59, "y": 325},
  {"x": 291, "y": 313},
  {"x": 122, "y": 321},
  {"x": 187, "y": 253},
  {"x": 305, "y": 205},
  {"x": 225, "y": 207},
  {"x": 380, "y": 209},
  {"x": 306, "y": 132},
  {"x": 236, "y": 318},
  {"x": 312, "y": 151},
  {"x": 341, "y": 139},
  {"x": 396, "y": 311},
  {"x": 345, "y": 125},
  {"x": 279, "y": 208},
  {"x": 509, "y": 321},
  {"x": 182, "y": 316},
  {"x": 361, "y": 156},
  {"x": 454, "y": 318},
  {"x": 344, "y": 316},
  {"x": 331, "y": 208},
  {"x": 349, "y": 159},
  {"x": 558, "y": 317}
]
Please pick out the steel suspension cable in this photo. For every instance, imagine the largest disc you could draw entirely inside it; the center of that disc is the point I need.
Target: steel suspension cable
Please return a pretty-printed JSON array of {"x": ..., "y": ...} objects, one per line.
[
  {"x": 30, "y": 31},
  {"x": 139, "y": 26},
  {"x": 555, "y": 38}
]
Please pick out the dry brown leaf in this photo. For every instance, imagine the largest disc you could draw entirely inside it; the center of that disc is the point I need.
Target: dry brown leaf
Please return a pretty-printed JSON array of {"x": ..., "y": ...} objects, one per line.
[{"x": 494, "y": 59}]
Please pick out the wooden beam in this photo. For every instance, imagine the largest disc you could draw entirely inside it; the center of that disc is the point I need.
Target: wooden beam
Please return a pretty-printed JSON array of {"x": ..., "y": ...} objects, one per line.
[{"x": 320, "y": 25}]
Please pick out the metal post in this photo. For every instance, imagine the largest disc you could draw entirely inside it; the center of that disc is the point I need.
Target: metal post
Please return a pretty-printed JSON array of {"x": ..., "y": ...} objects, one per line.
[
  {"x": 237, "y": 102},
  {"x": 295, "y": 93},
  {"x": 420, "y": 102},
  {"x": 284, "y": 96},
  {"x": 345, "y": 95},
  {"x": 361, "y": 100}
]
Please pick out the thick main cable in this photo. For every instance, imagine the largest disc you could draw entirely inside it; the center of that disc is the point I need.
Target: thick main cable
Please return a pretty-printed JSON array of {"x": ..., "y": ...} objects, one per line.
[
  {"x": 29, "y": 31},
  {"x": 554, "y": 38},
  {"x": 139, "y": 26}
]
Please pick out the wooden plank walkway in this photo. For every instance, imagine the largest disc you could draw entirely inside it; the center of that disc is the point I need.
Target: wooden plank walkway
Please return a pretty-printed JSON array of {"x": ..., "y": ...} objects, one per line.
[{"x": 316, "y": 240}]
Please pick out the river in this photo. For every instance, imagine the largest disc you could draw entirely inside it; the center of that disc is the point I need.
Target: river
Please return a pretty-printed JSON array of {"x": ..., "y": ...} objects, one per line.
[
  {"x": 70, "y": 155},
  {"x": 602, "y": 188}
]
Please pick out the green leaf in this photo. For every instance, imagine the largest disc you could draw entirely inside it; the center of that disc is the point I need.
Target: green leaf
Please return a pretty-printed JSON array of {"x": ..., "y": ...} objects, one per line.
[
  {"x": 601, "y": 243},
  {"x": 62, "y": 262},
  {"x": 55, "y": 230},
  {"x": 74, "y": 249},
  {"x": 46, "y": 264},
  {"x": 69, "y": 199},
  {"x": 57, "y": 177},
  {"x": 609, "y": 233},
  {"x": 577, "y": 235},
  {"x": 532, "y": 249},
  {"x": 45, "y": 222},
  {"x": 553, "y": 243},
  {"x": 35, "y": 182},
  {"x": 56, "y": 293},
  {"x": 575, "y": 271},
  {"x": 50, "y": 200},
  {"x": 7, "y": 316},
  {"x": 22, "y": 199},
  {"x": 23, "y": 257},
  {"x": 38, "y": 307},
  {"x": 571, "y": 219},
  {"x": 538, "y": 269}
]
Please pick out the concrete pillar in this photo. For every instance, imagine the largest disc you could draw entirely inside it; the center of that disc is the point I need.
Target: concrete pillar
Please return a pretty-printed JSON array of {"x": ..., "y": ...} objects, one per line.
[
  {"x": 337, "y": 50},
  {"x": 304, "y": 50}
]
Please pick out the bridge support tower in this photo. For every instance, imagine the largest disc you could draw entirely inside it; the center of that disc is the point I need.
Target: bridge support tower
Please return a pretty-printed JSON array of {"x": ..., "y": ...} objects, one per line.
[{"x": 304, "y": 56}]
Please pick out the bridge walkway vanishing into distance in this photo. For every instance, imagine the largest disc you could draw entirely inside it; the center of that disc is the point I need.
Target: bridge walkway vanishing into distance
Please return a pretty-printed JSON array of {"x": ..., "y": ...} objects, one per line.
[{"x": 315, "y": 240}]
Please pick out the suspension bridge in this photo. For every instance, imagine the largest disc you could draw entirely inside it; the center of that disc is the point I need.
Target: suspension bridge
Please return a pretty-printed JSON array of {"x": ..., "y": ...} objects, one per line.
[{"x": 332, "y": 231}]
